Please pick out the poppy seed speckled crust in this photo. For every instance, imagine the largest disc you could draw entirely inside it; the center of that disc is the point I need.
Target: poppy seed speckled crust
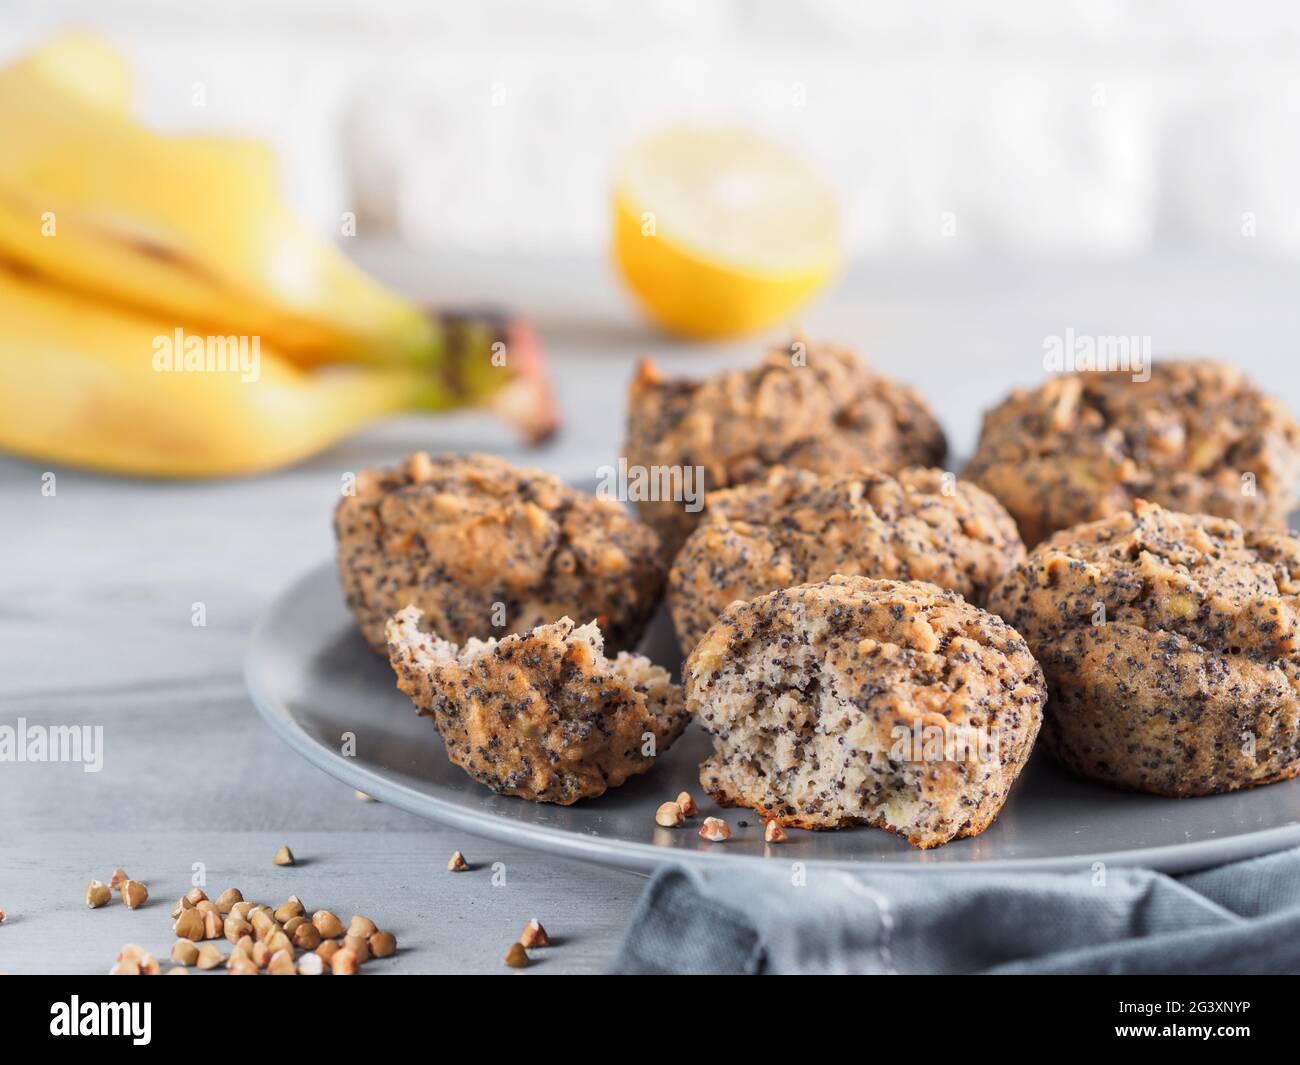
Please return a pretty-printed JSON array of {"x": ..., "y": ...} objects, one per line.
[
  {"x": 456, "y": 535},
  {"x": 796, "y": 527},
  {"x": 1169, "y": 642},
  {"x": 895, "y": 704},
  {"x": 544, "y": 716},
  {"x": 1197, "y": 437},
  {"x": 813, "y": 406}
]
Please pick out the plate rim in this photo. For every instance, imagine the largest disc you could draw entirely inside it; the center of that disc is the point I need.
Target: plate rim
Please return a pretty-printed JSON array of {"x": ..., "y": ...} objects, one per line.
[{"x": 647, "y": 857}]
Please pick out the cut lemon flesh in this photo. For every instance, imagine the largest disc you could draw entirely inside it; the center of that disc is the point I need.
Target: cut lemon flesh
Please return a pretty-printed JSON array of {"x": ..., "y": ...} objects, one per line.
[{"x": 719, "y": 232}]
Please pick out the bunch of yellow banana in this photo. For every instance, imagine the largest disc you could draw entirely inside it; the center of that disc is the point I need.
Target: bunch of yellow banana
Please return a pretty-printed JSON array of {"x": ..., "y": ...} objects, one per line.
[{"x": 163, "y": 313}]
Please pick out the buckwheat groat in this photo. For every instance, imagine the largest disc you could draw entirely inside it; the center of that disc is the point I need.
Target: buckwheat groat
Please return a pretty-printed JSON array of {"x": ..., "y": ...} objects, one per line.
[
  {"x": 1198, "y": 437},
  {"x": 1170, "y": 648},
  {"x": 543, "y": 715},
  {"x": 457, "y": 535},
  {"x": 814, "y": 406},
  {"x": 888, "y": 703},
  {"x": 796, "y": 526}
]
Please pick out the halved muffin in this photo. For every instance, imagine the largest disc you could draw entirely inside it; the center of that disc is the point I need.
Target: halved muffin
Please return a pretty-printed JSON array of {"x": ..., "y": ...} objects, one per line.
[{"x": 854, "y": 701}]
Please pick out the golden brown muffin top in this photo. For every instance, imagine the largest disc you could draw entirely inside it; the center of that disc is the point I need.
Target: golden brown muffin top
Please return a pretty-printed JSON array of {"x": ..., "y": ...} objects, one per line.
[
  {"x": 1197, "y": 436},
  {"x": 1195, "y": 578},
  {"x": 459, "y": 534},
  {"x": 795, "y": 526},
  {"x": 814, "y": 406},
  {"x": 485, "y": 520}
]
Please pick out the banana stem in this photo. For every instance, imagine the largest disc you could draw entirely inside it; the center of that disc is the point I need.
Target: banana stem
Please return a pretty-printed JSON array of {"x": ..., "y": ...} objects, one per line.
[
  {"x": 490, "y": 359},
  {"x": 499, "y": 368}
]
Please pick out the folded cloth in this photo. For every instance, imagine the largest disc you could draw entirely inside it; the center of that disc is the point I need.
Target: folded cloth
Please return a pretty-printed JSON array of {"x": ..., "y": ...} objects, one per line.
[{"x": 1238, "y": 918}]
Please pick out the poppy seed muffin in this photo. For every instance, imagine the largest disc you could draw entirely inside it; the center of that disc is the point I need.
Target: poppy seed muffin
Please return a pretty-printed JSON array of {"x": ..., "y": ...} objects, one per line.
[
  {"x": 486, "y": 549},
  {"x": 814, "y": 406},
  {"x": 544, "y": 716},
  {"x": 854, "y": 701},
  {"x": 1170, "y": 647},
  {"x": 1197, "y": 437},
  {"x": 796, "y": 527}
]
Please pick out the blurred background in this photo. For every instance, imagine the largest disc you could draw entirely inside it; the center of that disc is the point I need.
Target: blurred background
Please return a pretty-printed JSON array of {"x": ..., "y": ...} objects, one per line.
[
  {"x": 1100, "y": 129},
  {"x": 1003, "y": 172}
]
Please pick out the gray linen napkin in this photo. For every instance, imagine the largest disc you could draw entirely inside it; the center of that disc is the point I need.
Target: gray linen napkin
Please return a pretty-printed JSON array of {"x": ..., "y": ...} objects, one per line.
[{"x": 1238, "y": 918}]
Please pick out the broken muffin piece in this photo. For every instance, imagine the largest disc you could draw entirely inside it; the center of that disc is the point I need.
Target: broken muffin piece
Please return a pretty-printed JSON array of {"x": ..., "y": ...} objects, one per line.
[
  {"x": 894, "y": 704},
  {"x": 485, "y": 548},
  {"x": 543, "y": 715}
]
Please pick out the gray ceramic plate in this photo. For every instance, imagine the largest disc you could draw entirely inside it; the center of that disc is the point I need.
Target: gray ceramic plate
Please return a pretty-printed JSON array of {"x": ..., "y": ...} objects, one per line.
[{"x": 314, "y": 679}]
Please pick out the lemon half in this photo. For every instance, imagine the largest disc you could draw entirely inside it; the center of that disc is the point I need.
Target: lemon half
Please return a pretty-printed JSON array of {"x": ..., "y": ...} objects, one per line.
[{"x": 720, "y": 232}]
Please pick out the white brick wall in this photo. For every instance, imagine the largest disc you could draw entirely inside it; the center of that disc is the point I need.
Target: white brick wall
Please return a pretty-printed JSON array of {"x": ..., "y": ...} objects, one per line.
[{"x": 1105, "y": 128}]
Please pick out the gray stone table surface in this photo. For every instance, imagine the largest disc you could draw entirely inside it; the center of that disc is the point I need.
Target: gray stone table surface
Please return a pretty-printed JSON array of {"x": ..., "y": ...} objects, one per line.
[{"x": 98, "y": 584}]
